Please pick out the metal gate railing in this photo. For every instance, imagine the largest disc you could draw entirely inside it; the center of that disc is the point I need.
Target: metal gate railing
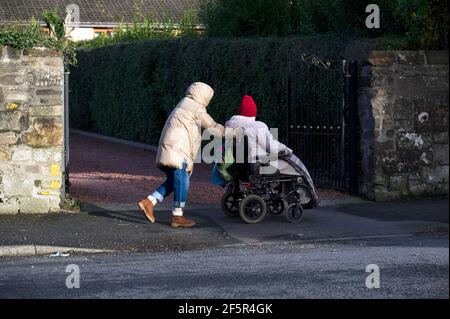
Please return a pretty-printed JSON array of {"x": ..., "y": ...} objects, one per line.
[{"x": 322, "y": 119}]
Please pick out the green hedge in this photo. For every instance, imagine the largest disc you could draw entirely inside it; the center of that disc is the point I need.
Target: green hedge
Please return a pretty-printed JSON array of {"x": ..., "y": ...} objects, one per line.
[
  {"x": 127, "y": 90},
  {"x": 423, "y": 22}
]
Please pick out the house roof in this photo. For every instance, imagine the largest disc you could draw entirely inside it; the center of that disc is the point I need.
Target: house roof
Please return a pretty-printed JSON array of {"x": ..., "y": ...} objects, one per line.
[{"x": 97, "y": 12}]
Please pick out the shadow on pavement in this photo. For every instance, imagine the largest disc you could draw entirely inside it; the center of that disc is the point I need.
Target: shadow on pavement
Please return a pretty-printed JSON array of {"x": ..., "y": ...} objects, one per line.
[{"x": 433, "y": 210}]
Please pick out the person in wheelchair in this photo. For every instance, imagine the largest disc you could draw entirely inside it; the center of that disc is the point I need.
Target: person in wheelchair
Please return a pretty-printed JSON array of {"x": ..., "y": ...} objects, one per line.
[{"x": 263, "y": 174}]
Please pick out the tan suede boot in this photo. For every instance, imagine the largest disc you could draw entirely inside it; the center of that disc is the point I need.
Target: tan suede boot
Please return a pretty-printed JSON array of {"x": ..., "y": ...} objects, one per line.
[
  {"x": 180, "y": 221},
  {"x": 147, "y": 206}
]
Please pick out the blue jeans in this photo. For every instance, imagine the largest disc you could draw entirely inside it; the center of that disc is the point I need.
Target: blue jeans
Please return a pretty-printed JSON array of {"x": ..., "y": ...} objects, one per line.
[{"x": 177, "y": 182}]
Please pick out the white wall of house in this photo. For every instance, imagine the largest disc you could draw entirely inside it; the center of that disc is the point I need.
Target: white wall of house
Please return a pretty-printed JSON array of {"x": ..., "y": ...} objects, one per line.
[{"x": 80, "y": 34}]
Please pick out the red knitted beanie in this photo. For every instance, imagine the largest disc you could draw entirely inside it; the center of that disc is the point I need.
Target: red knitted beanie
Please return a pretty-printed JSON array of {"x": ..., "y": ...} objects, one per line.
[{"x": 248, "y": 107}]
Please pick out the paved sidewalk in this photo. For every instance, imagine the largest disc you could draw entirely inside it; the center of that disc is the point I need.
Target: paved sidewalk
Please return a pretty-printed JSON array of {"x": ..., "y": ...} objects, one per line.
[
  {"x": 124, "y": 228},
  {"x": 97, "y": 228}
]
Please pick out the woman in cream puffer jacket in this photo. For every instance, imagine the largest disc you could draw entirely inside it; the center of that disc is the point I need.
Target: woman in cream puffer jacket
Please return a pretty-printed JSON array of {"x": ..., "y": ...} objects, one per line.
[
  {"x": 178, "y": 147},
  {"x": 181, "y": 137}
]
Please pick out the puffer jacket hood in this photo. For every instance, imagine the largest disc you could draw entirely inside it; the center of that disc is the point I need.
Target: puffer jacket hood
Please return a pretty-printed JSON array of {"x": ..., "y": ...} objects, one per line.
[
  {"x": 181, "y": 136},
  {"x": 200, "y": 92}
]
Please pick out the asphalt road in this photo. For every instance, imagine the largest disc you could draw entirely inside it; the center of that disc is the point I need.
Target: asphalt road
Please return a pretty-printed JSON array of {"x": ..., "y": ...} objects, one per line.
[{"x": 410, "y": 267}]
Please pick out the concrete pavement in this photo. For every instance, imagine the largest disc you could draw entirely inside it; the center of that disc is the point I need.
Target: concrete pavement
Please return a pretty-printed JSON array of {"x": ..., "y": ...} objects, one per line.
[
  {"x": 365, "y": 219},
  {"x": 124, "y": 228},
  {"x": 120, "y": 230}
]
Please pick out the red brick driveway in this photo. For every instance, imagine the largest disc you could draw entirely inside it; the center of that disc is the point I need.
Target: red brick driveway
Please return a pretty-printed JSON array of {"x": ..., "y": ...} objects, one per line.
[{"x": 103, "y": 171}]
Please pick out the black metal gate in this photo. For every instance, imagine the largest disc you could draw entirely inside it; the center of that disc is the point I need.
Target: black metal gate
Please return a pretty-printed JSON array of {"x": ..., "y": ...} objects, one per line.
[{"x": 322, "y": 119}]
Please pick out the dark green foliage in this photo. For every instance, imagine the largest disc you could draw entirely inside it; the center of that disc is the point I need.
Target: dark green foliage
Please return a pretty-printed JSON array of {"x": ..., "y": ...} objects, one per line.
[
  {"x": 244, "y": 18},
  {"x": 148, "y": 28},
  {"x": 423, "y": 22},
  {"x": 26, "y": 36},
  {"x": 127, "y": 90},
  {"x": 55, "y": 23},
  {"x": 31, "y": 35}
]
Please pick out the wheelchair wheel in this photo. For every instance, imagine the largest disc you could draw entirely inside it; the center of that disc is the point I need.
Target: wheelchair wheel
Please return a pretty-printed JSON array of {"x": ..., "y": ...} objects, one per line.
[
  {"x": 294, "y": 213},
  {"x": 230, "y": 204},
  {"x": 253, "y": 209}
]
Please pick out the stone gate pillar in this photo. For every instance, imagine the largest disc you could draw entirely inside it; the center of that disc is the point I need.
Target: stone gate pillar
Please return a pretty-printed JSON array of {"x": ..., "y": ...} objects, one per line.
[
  {"x": 403, "y": 108},
  {"x": 31, "y": 130}
]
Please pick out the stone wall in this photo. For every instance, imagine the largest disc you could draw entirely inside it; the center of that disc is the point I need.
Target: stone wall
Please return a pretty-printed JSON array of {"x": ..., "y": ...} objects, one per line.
[
  {"x": 403, "y": 107},
  {"x": 31, "y": 130}
]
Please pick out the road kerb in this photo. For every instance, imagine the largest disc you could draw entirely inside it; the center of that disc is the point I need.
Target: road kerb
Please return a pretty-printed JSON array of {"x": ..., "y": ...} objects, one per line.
[{"x": 37, "y": 250}]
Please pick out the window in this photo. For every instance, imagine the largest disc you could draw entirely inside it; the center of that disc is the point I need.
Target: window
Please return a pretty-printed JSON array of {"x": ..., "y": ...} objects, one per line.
[{"x": 103, "y": 32}]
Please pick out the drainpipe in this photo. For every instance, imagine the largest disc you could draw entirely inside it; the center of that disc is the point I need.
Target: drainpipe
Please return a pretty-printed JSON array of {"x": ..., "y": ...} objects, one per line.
[{"x": 66, "y": 131}]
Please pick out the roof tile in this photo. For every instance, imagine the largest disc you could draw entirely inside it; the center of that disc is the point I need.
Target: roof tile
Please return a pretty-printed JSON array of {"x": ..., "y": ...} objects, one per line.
[{"x": 97, "y": 12}]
